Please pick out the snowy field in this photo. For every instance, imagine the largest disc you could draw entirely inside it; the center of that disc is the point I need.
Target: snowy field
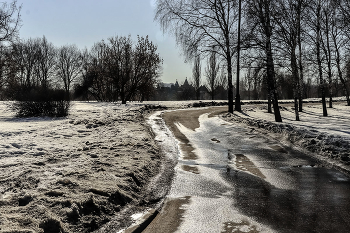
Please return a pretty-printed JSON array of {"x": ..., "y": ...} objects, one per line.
[
  {"x": 337, "y": 123},
  {"x": 74, "y": 173}
]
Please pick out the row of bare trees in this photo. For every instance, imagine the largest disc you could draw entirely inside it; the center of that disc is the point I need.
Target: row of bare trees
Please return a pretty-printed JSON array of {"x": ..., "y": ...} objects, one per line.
[
  {"x": 277, "y": 36},
  {"x": 117, "y": 70},
  {"x": 121, "y": 69},
  {"x": 38, "y": 64},
  {"x": 215, "y": 76}
]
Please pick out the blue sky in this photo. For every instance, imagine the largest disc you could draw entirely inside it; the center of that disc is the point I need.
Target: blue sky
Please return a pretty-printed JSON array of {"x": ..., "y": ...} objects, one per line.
[{"x": 84, "y": 22}]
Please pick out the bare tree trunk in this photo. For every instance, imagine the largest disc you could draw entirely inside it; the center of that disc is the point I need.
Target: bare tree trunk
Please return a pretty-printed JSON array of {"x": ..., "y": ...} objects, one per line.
[
  {"x": 295, "y": 83},
  {"x": 271, "y": 82},
  {"x": 301, "y": 81},
  {"x": 270, "y": 64},
  {"x": 230, "y": 86},
  {"x": 301, "y": 71},
  {"x": 329, "y": 62},
  {"x": 238, "y": 97},
  {"x": 196, "y": 75},
  {"x": 340, "y": 74},
  {"x": 319, "y": 62}
]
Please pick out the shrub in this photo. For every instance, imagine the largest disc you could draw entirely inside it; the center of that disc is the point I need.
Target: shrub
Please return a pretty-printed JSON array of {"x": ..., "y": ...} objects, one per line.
[
  {"x": 41, "y": 108},
  {"x": 38, "y": 101}
]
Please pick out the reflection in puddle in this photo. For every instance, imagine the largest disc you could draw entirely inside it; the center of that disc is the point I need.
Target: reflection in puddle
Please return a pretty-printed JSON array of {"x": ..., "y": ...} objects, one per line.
[
  {"x": 278, "y": 148},
  {"x": 185, "y": 145},
  {"x": 243, "y": 226},
  {"x": 170, "y": 217},
  {"x": 190, "y": 169},
  {"x": 244, "y": 164},
  {"x": 215, "y": 140}
]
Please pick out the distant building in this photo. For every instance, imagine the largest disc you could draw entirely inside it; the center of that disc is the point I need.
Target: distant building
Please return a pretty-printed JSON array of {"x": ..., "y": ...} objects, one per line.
[{"x": 175, "y": 91}]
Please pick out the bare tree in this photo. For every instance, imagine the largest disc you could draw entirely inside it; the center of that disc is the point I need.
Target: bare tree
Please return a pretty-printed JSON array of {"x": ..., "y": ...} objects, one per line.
[
  {"x": 288, "y": 23},
  {"x": 340, "y": 41},
  {"x": 198, "y": 25},
  {"x": 126, "y": 67},
  {"x": 344, "y": 6},
  {"x": 259, "y": 17},
  {"x": 315, "y": 35},
  {"x": 68, "y": 65},
  {"x": 120, "y": 69},
  {"x": 327, "y": 11},
  {"x": 196, "y": 76},
  {"x": 9, "y": 21},
  {"x": 301, "y": 17},
  {"x": 222, "y": 78},
  {"x": 211, "y": 73},
  {"x": 248, "y": 81},
  {"x": 3, "y": 69},
  {"x": 24, "y": 56},
  {"x": 46, "y": 61},
  {"x": 146, "y": 67}
]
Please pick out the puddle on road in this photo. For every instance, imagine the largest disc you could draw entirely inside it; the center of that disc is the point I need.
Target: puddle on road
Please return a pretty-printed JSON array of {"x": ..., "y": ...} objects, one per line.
[
  {"x": 188, "y": 149},
  {"x": 244, "y": 164},
  {"x": 171, "y": 216},
  {"x": 278, "y": 148},
  {"x": 192, "y": 169},
  {"x": 185, "y": 144},
  {"x": 215, "y": 140},
  {"x": 242, "y": 227}
]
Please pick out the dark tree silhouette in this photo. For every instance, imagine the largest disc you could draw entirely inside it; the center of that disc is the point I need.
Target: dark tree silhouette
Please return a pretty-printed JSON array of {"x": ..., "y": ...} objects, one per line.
[
  {"x": 211, "y": 73},
  {"x": 198, "y": 25},
  {"x": 259, "y": 17},
  {"x": 196, "y": 76},
  {"x": 315, "y": 35},
  {"x": 68, "y": 65}
]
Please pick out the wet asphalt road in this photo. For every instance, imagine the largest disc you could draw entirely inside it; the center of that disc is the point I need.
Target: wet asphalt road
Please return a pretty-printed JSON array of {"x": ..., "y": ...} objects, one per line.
[{"x": 230, "y": 178}]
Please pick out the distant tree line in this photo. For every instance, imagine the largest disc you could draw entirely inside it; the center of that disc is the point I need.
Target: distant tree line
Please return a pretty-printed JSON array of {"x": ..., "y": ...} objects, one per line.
[
  {"x": 110, "y": 71},
  {"x": 288, "y": 46}
]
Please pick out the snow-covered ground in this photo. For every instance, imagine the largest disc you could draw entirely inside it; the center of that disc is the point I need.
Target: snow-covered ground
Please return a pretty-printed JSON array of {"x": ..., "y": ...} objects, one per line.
[
  {"x": 337, "y": 123},
  {"x": 74, "y": 173},
  {"x": 328, "y": 137}
]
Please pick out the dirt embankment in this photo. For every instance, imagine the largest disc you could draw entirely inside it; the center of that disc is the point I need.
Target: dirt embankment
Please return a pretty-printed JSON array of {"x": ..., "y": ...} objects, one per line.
[{"x": 111, "y": 158}]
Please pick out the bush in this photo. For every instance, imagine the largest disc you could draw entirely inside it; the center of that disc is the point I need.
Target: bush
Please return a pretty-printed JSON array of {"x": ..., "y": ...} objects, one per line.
[
  {"x": 39, "y": 101},
  {"x": 41, "y": 108}
]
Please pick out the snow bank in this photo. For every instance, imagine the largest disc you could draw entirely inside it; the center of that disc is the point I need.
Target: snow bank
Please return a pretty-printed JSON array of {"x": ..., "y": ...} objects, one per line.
[{"x": 325, "y": 136}]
